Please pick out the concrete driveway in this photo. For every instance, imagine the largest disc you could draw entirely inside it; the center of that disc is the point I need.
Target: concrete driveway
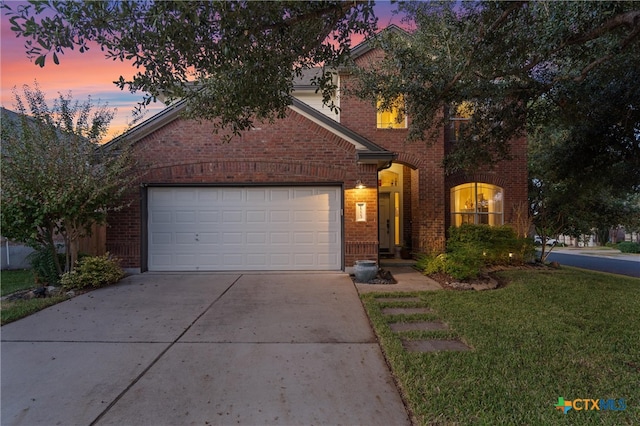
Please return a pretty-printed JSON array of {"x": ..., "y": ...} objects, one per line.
[{"x": 178, "y": 349}]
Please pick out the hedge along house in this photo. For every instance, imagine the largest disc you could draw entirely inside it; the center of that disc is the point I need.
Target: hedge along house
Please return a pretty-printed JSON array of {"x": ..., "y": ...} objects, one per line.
[{"x": 315, "y": 190}]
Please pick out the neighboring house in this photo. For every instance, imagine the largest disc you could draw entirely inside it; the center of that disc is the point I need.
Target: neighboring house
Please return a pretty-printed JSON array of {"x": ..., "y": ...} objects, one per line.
[{"x": 312, "y": 191}]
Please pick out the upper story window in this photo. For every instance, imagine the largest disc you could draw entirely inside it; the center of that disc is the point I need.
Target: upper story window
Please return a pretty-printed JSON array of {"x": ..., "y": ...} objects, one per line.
[
  {"x": 393, "y": 118},
  {"x": 476, "y": 203},
  {"x": 459, "y": 117}
]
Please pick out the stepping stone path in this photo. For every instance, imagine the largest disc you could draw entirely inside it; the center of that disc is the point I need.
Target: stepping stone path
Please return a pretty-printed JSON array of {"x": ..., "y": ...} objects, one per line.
[
  {"x": 401, "y": 299},
  {"x": 434, "y": 345},
  {"x": 410, "y": 326},
  {"x": 430, "y": 345},
  {"x": 405, "y": 311}
]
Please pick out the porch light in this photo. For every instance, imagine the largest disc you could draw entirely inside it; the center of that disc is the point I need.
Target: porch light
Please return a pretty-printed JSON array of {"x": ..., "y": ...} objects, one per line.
[{"x": 360, "y": 185}]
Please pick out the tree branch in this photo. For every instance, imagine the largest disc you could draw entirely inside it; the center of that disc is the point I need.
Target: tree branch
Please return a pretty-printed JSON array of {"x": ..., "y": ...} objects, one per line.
[
  {"x": 591, "y": 66},
  {"x": 629, "y": 19}
]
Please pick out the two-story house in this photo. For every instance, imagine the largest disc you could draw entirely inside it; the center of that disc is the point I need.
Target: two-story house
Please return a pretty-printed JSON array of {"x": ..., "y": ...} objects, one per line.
[{"x": 315, "y": 190}]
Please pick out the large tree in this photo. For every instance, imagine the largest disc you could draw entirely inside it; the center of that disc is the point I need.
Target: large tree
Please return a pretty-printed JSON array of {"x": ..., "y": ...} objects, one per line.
[
  {"x": 56, "y": 178},
  {"x": 503, "y": 58},
  {"x": 241, "y": 56}
]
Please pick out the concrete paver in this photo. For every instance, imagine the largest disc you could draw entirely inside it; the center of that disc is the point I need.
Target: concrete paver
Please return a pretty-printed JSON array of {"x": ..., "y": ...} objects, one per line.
[
  {"x": 406, "y": 311},
  {"x": 165, "y": 349},
  {"x": 409, "y": 279},
  {"x": 434, "y": 345},
  {"x": 418, "y": 326}
]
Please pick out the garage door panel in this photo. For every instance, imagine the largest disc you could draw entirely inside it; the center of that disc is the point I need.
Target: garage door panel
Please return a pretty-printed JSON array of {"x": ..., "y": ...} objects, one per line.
[
  {"x": 257, "y": 259},
  {"x": 256, "y": 195},
  {"x": 279, "y": 238},
  {"x": 207, "y": 195},
  {"x": 162, "y": 238},
  {"x": 281, "y": 216},
  {"x": 226, "y": 228},
  {"x": 233, "y": 195},
  {"x": 327, "y": 238},
  {"x": 208, "y": 238},
  {"x": 185, "y": 238},
  {"x": 256, "y": 216},
  {"x": 186, "y": 195},
  {"x": 209, "y": 259},
  {"x": 232, "y": 216},
  {"x": 257, "y": 238},
  {"x": 208, "y": 216},
  {"x": 161, "y": 217}
]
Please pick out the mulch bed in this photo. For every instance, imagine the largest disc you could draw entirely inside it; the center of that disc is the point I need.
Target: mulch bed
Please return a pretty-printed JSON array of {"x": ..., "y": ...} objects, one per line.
[{"x": 488, "y": 280}]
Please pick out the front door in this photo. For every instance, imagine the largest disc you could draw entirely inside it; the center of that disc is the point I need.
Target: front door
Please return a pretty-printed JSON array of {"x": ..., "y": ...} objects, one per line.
[{"x": 385, "y": 222}]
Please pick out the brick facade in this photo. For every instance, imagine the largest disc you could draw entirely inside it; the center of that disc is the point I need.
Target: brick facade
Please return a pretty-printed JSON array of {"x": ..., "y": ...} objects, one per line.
[
  {"x": 293, "y": 150},
  {"x": 296, "y": 150}
]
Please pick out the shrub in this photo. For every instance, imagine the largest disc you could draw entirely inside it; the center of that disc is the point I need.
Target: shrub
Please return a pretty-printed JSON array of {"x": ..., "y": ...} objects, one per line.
[
  {"x": 493, "y": 243},
  {"x": 473, "y": 247},
  {"x": 93, "y": 272},
  {"x": 44, "y": 267},
  {"x": 628, "y": 247},
  {"x": 460, "y": 264},
  {"x": 432, "y": 265}
]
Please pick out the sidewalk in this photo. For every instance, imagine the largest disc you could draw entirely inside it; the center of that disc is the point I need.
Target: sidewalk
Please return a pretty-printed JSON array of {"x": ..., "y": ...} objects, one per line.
[{"x": 409, "y": 279}]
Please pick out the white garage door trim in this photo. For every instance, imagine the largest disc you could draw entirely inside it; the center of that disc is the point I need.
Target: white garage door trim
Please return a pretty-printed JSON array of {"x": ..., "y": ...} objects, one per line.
[{"x": 244, "y": 228}]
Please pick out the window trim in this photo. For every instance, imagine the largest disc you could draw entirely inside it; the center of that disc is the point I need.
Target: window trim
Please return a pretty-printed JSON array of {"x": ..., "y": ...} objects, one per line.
[
  {"x": 395, "y": 111},
  {"x": 475, "y": 215}
]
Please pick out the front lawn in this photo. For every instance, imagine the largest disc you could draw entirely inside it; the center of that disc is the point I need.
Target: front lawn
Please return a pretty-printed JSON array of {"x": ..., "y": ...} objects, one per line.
[
  {"x": 548, "y": 334},
  {"x": 12, "y": 281},
  {"x": 12, "y": 310}
]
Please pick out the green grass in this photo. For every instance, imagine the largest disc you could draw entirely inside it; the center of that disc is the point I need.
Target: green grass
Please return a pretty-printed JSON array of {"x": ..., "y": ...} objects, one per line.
[
  {"x": 12, "y": 281},
  {"x": 548, "y": 334},
  {"x": 14, "y": 310}
]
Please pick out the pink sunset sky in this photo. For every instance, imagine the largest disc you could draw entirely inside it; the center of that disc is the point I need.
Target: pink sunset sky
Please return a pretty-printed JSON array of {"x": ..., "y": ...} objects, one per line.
[{"x": 88, "y": 74}]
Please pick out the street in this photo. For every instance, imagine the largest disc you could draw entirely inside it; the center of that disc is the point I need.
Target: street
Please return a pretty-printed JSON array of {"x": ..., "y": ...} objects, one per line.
[{"x": 630, "y": 267}]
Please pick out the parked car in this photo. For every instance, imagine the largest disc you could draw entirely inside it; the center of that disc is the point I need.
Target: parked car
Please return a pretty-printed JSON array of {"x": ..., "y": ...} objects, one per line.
[{"x": 550, "y": 241}]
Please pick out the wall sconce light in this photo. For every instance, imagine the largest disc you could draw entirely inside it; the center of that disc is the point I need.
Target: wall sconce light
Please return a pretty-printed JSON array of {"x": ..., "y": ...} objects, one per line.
[{"x": 360, "y": 185}]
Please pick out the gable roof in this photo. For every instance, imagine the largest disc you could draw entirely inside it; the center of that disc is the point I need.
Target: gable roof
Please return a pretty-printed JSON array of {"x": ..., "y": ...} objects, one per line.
[
  {"x": 150, "y": 125},
  {"x": 369, "y": 44},
  {"x": 367, "y": 152}
]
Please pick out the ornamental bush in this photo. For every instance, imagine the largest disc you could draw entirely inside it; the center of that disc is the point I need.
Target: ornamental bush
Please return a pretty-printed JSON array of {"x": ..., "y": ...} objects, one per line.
[
  {"x": 93, "y": 272},
  {"x": 470, "y": 248},
  {"x": 44, "y": 266},
  {"x": 628, "y": 247}
]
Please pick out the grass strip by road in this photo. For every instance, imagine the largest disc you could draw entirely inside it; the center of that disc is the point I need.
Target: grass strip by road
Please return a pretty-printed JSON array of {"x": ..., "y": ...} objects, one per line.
[{"x": 548, "y": 334}]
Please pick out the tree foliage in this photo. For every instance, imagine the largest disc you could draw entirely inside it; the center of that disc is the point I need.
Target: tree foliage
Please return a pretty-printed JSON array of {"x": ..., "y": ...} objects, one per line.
[
  {"x": 56, "y": 179},
  {"x": 240, "y": 56},
  {"x": 503, "y": 58}
]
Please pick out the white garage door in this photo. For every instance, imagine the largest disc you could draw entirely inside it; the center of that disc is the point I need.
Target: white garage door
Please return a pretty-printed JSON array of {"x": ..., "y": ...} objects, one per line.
[{"x": 248, "y": 228}]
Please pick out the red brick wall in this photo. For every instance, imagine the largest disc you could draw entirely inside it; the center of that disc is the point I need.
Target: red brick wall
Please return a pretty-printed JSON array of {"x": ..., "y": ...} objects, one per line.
[
  {"x": 429, "y": 207},
  {"x": 295, "y": 150},
  {"x": 511, "y": 175},
  {"x": 292, "y": 150}
]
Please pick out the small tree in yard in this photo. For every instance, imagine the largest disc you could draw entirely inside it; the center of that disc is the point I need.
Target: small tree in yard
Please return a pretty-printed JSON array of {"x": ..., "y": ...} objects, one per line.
[{"x": 56, "y": 178}]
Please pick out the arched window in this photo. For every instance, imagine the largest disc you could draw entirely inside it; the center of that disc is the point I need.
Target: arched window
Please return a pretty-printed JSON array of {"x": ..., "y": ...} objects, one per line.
[{"x": 477, "y": 203}]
